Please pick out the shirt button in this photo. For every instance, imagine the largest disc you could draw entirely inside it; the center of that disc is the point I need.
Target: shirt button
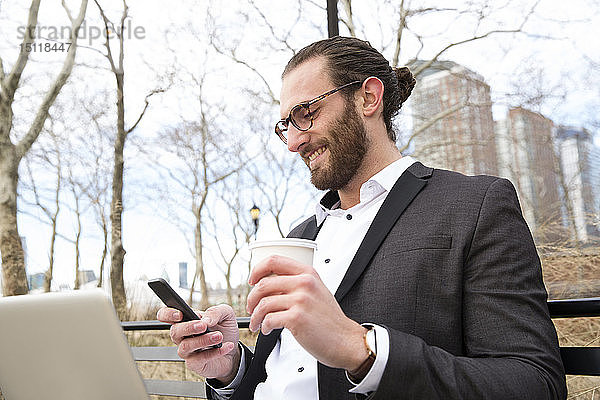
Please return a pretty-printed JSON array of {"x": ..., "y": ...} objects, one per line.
[
  {"x": 300, "y": 369},
  {"x": 349, "y": 217},
  {"x": 327, "y": 260}
]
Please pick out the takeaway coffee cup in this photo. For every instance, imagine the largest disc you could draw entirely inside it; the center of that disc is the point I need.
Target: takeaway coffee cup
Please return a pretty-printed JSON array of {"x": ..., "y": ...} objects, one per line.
[{"x": 301, "y": 250}]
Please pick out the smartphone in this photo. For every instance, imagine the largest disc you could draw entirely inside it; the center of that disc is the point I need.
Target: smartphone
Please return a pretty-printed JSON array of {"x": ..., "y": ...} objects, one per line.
[{"x": 171, "y": 299}]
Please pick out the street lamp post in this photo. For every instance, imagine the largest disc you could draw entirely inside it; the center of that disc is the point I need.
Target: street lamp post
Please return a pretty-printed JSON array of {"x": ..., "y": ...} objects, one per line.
[
  {"x": 255, "y": 213},
  {"x": 332, "y": 18}
]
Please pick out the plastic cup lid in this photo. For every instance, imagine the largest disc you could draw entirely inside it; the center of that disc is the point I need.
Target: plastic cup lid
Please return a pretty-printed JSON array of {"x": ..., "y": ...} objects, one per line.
[{"x": 283, "y": 242}]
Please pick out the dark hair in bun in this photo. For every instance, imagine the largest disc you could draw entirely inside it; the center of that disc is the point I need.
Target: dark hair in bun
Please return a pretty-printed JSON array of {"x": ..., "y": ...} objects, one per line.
[{"x": 351, "y": 59}]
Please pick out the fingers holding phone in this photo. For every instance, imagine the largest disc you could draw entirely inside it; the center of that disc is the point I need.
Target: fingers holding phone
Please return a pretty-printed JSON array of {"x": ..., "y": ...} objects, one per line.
[
  {"x": 195, "y": 347},
  {"x": 169, "y": 315},
  {"x": 207, "y": 341}
]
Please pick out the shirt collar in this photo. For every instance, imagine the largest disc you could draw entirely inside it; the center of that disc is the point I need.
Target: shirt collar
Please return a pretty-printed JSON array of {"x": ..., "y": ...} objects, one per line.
[{"x": 386, "y": 178}]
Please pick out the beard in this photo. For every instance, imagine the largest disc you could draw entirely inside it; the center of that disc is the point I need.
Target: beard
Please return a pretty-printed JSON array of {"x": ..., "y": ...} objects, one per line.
[{"x": 347, "y": 145}]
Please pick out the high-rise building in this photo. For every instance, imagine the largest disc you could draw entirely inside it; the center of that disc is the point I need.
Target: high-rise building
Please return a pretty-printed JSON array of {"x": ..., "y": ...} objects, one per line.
[
  {"x": 580, "y": 162},
  {"x": 183, "y": 269},
  {"x": 87, "y": 276},
  {"x": 452, "y": 109},
  {"x": 36, "y": 281},
  {"x": 527, "y": 157}
]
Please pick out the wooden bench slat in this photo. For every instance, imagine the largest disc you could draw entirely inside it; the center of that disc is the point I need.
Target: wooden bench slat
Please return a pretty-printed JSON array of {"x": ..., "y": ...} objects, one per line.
[
  {"x": 162, "y": 353},
  {"x": 175, "y": 388},
  {"x": 159, "y": 353}
]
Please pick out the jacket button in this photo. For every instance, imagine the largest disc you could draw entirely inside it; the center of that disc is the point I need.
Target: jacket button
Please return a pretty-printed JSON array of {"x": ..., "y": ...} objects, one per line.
[
  {"x": 300, "y": 369},
  {"x": 349, "y": 217}
]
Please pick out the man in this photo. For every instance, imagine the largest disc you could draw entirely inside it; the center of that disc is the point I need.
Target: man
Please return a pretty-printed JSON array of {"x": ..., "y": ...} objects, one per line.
[{"x": 426, "y": 283}]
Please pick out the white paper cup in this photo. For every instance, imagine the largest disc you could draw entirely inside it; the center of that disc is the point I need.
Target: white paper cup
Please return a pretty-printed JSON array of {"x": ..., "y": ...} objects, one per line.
[{"x": 301, "y": 250}]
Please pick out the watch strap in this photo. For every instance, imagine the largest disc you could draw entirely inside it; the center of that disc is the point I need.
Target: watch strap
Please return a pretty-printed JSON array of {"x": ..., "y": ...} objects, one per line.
[{"x": 363, "y": 369}]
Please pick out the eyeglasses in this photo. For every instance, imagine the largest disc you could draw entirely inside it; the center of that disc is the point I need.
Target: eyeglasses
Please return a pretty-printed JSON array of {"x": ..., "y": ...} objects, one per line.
[{"x": 300, "y": 115}]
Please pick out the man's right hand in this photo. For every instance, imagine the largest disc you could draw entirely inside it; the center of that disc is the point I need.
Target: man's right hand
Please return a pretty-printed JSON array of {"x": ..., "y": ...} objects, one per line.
[{"x": 221, "y": 364}]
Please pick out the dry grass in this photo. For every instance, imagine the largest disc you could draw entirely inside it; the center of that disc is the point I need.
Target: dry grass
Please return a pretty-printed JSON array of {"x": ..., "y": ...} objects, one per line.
[
  {"x": 580, "y": 332},
  {"x": 575, "y": 273},
  {"x": 170, "y": 370}
]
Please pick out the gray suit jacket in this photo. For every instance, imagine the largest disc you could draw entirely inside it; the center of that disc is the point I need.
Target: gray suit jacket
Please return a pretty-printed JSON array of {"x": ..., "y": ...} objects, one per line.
[{"x": 449, "y": 267}]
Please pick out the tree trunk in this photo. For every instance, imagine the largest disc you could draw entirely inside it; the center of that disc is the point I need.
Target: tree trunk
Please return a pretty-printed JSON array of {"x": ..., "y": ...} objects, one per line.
[
  {"x": 14, "y": 278},
  {"x": 104, "y": 251},
  {"x": 77, "y": 240},
  {"x": 117, "y": 252},
  {"x": 54, "y": 219},
  {"x": 199, "y": 274},
  {"x": 50, "y": 271},
  {"x": 13, "y": 259},
  {"x": 229, "y": 289}
]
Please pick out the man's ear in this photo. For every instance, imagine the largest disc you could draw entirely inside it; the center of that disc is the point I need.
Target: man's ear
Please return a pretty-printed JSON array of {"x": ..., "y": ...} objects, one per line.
[{"x": 372, "y": 96}]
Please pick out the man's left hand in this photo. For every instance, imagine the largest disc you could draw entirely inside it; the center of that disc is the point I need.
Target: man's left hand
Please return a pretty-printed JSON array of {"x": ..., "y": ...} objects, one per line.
[{"x": 291, "y": 295}]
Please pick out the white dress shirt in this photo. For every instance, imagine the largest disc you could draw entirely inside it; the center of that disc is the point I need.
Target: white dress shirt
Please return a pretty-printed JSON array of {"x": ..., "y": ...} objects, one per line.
[{"x": 292, "y": 371}]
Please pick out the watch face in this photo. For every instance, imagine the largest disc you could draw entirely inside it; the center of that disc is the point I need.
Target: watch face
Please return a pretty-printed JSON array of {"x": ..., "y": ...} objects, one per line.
[{"x": 372, "y": 341}]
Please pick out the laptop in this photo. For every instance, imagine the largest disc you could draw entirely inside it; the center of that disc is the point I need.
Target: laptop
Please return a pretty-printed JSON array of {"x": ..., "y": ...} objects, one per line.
[{"x": 65, "y": 346}]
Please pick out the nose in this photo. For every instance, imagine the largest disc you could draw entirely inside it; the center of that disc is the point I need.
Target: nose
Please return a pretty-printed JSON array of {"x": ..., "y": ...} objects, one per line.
[{"x": 296, "y": 139}]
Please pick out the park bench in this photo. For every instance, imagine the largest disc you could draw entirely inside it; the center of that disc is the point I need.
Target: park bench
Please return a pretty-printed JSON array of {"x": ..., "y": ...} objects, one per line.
[{"x": 576, "y": 360}]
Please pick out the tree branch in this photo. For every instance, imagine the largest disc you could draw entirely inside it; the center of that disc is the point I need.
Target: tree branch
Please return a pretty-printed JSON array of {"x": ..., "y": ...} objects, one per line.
[
  {"x": 431, "y": 121},
  {"x": 121, "y": 36},
  {"x": 427, "y": 64},
  {"x": 233, "y": 57},
  {"x": 11, "y": 82},
  {"x": 350, "y": 22},
  {"x": 107, "y": 41},
  {"x": 38, "y": 122},
  {"x": 401, "y": 26},
  {"x": 271, "y": 28},
  {"x": 144, "y": 110},
  {"x": 2, "y": 76},
  {"x": 67, "y": 11}
]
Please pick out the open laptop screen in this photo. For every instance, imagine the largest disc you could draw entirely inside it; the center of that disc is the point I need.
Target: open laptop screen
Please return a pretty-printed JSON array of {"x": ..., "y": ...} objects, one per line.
[{"x": 65, "y": 346}]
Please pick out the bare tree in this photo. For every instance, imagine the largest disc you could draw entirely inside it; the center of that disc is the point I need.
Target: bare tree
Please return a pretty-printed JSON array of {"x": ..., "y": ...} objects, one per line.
[
  {"x": 53, "y": 186},
  {"x": 116, "y": 209},
  {"x": 275, "y": 173},
  {"x": 231, "y": 229},
  {"x": 279, "y": 177},
  {"x": 13, "y": 265},
  {"x": 91, "y": 152},
  {"x": 74, "y": 186},
  {"x": 50, "y": 160},
  {"x": 78, "y": 188},
  {"x": 96, "y": 185},
  {"x": 203, "y": 160}
]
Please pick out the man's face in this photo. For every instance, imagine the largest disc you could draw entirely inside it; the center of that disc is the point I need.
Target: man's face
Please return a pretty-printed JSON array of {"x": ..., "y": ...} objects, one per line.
[{"x": 335, "y": 146}]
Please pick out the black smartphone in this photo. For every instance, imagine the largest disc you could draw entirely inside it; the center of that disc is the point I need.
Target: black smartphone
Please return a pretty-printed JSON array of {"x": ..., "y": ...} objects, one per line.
[{"x": 171, "y": 299}]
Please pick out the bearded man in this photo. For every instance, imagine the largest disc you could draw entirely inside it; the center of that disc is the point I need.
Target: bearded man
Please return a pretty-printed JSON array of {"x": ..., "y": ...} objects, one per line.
[{"x": 426, "y": 283}]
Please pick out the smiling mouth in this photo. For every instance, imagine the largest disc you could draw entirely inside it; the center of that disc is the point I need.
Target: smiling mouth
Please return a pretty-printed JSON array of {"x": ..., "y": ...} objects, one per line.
[{"x": 315, "y": 154}]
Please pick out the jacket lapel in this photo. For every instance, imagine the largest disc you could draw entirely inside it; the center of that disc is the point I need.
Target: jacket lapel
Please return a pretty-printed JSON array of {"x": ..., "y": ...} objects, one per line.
[{"x": 401, "y": 195}]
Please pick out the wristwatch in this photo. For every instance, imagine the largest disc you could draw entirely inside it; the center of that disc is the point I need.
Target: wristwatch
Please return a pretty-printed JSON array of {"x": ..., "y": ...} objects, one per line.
[{"x": 370, "y": 339}]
